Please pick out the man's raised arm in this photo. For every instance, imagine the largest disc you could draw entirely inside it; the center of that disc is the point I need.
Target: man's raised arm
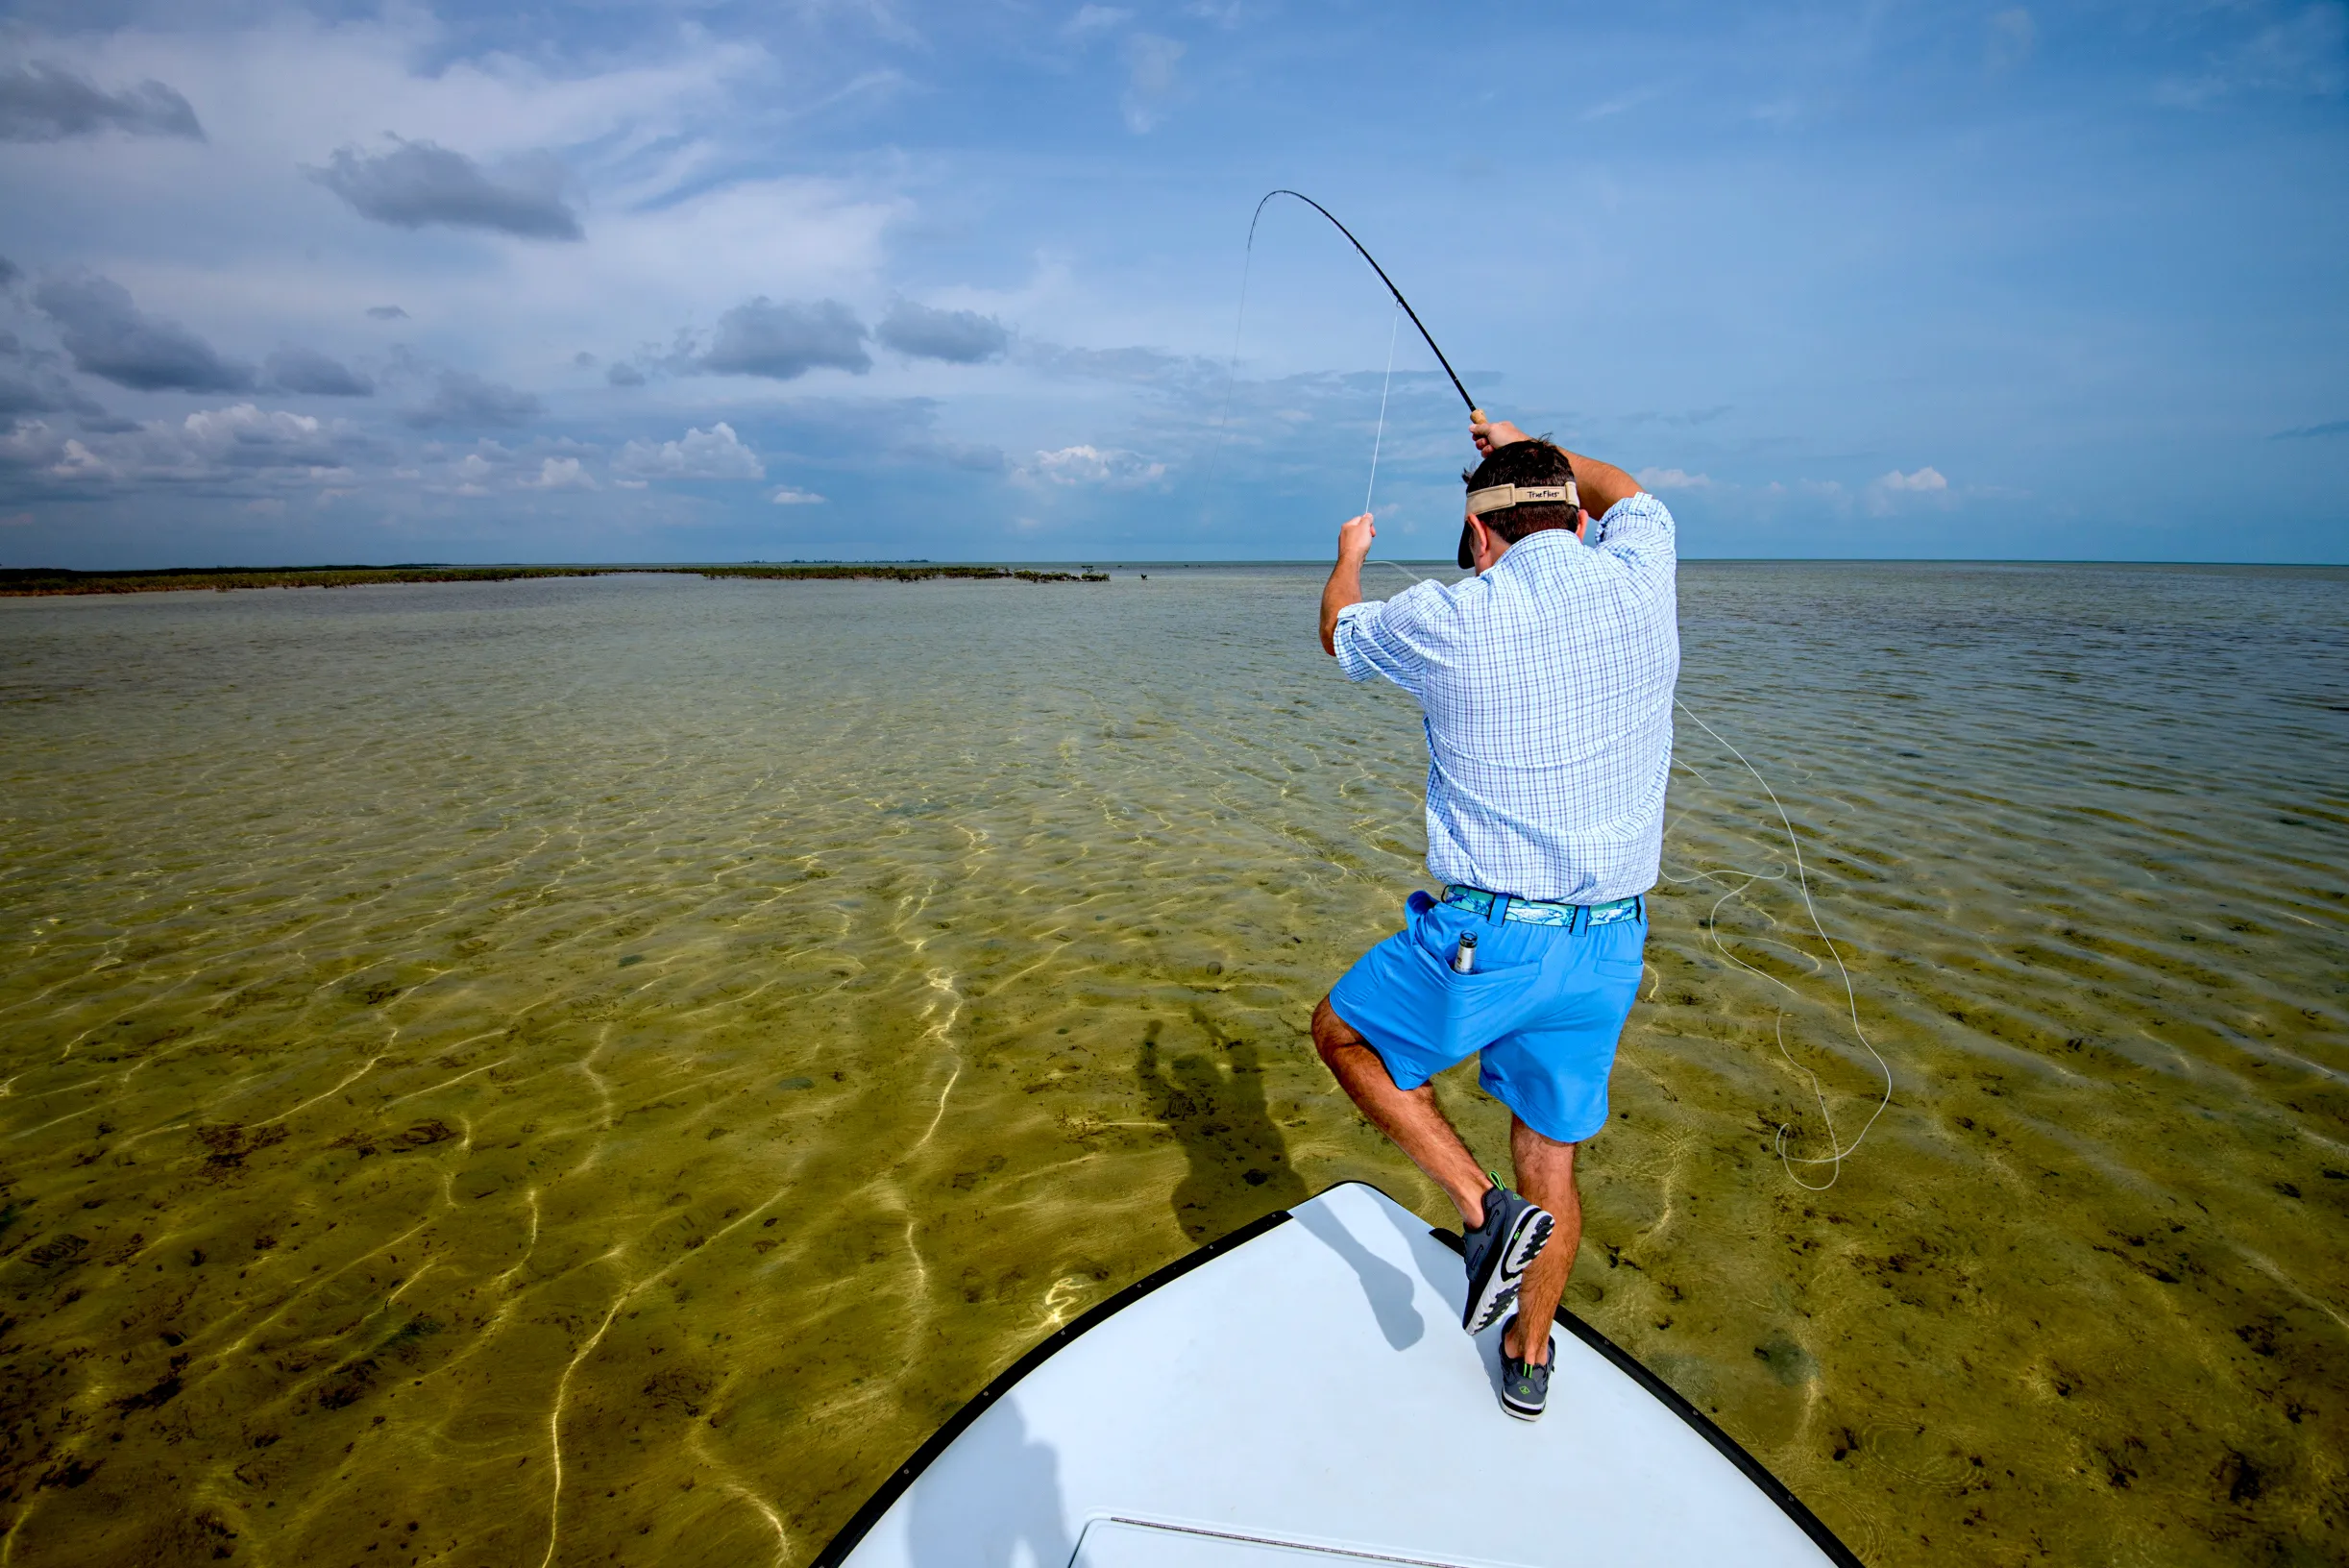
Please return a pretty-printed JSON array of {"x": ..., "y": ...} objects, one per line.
[
  {"x": 1345, "y": 584},
  {"x": 1602, "y": 484}
]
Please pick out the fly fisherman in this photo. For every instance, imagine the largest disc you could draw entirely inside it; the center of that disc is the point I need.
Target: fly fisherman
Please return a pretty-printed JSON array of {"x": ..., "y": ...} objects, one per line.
[{"x": 1546, "y": 682}]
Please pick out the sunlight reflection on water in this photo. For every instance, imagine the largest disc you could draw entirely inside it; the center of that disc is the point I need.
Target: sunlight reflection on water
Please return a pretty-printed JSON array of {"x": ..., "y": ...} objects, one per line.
[{"x": 689, "y": 1036}]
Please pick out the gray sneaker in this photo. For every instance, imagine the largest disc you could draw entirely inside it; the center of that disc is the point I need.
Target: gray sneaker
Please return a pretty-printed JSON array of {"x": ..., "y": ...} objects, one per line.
[
  {"x": 1498, "y": 1251},
  {"x": 1524, "y": 1389}
]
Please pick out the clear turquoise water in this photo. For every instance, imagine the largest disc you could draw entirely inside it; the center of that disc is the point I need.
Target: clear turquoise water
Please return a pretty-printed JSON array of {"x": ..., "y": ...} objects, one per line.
[{"x": 597, "y": 1070}]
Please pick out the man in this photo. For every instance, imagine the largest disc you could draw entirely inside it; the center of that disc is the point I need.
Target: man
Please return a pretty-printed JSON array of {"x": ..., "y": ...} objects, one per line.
[{"x": 1546, "y": 683}]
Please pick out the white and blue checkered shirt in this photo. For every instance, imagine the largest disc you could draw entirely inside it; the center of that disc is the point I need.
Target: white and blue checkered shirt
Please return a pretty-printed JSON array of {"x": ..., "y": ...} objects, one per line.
[{"x": 1547, "y": 684}]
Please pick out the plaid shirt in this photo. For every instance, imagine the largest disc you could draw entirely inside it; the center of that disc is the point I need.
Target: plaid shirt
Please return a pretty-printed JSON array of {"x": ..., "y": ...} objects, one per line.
[{"x": 1547, "y": 684}]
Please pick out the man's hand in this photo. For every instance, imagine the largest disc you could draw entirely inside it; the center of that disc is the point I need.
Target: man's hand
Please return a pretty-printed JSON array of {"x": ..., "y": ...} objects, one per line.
[
  {"x": 1345, "y": 585},
  {"x": 1498, "y": 433}
]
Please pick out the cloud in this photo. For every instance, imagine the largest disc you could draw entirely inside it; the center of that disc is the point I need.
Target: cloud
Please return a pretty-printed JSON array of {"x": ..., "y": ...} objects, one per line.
[
  {"x": 32, "y": 384},
  {"x": 47, "y": 103},
  {"x": 1090, "y": 465},
  {"x": 1097, "y": 20},
  {"x": 417, "y": 183},
  {"x": 1150, "y": 80},
  {"x": 962, "y": 337},
  {"x": 560, "y": 473},
  {"x": 760, "y": 338},
  {"x": 1137, "y": 365},
  {"x": 239, "y": 441},
  {"x": 1609, "y": 107},
  {"x": 624, "y": 375},
  {"x": 714, "y": 453},
  {"x": 2012, "y": 36},
  {"x": 27, "y": 395},
  {"x": 9, "y": 272},
  {"x": 1923, "y": 480},
  {"x": 788, "y": 496},
  {"x": 2314, "y": 433},
  {"x": 387, "y": 312},
  {"x": 108, "y": 337},
  {"x": 463, "y": 398},
  {"x": 307, "y": 371},
  {"x": 1673, "y": 479},
  {"x": 977, "y": 459},
  {"x": 1887, "y": 492}
]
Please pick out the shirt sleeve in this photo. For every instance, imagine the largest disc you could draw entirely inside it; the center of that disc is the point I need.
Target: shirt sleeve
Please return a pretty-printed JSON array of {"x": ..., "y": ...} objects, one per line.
[
  {"x": 1381, "y": 638},
  {"x": 1638, "y": 531}
]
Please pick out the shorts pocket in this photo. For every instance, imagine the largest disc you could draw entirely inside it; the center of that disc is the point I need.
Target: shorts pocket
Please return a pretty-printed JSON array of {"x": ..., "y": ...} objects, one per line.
[
  {"x": 1478, "y": 1005},
  {"x": 1620, "y": 951}
]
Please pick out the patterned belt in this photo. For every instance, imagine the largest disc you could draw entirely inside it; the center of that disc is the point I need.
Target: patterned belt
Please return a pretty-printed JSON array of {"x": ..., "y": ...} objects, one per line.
[{"x": 1536, "y": 911}]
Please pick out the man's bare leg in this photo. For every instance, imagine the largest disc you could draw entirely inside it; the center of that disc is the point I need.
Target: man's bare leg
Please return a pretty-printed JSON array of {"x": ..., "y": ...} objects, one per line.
[
  {"x": 1412, "y": 1117},
  {"x": 1545, "y": 1174}
]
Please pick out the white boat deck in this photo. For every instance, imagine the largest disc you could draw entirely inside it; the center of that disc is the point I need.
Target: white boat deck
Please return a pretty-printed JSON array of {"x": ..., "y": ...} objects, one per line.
[{"x": 1308, "y": 1392}]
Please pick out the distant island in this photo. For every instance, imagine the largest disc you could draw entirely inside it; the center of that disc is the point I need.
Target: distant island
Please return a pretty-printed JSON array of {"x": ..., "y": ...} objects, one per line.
[{"x": 24, "y": 582}]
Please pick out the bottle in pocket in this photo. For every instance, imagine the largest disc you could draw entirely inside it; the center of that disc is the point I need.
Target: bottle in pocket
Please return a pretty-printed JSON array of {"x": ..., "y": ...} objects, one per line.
[{"x": 1465, "y": 961}]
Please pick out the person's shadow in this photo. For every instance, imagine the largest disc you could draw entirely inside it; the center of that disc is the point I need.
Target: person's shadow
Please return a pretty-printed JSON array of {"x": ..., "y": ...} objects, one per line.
[
  {"x": 1022, "y": 1486},
  {"x": 1212, "y": 1101}
]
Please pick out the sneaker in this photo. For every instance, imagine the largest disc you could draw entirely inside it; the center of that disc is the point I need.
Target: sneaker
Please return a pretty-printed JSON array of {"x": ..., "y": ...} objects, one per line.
[
  {"x": 1497, "y": 1251},
  {"x": 1524, "y": 1389}
]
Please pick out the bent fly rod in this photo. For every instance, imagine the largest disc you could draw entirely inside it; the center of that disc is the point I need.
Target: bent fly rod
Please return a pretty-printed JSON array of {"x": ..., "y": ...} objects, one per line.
[{"x": 1475, "y": 413}]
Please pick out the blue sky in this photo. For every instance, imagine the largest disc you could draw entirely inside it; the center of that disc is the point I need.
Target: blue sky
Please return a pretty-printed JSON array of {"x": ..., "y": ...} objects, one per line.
[{"x": 723, "y": 282}]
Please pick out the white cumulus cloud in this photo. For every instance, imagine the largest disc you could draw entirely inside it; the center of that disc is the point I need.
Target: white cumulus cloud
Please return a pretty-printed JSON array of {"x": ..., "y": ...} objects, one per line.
[
  {"x": 1924, "y": 479},
  {"x": 1895, "y": 489},
  {"x": 714, "y": 453},
  {"x": 560, "y": 473},
  {"x": 788, "y": 496},
  {"x": 1090, "y": 465},
  {"x": 1673, "y": 479}
]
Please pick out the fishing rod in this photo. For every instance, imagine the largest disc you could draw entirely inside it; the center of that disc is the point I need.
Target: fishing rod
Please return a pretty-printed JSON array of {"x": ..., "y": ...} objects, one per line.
[{"x": 1475, "y": 413}]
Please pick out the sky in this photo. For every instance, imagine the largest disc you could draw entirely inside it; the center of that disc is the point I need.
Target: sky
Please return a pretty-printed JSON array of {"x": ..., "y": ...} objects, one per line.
[{"x": 591, "y": 282}]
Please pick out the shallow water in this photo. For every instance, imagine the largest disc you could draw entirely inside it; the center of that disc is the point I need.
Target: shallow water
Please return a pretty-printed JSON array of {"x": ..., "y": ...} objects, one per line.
[{"x": 596, "y": 1070}]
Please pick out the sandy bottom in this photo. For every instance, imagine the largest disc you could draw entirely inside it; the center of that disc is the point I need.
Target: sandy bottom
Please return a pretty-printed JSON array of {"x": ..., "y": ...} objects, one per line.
[{"x": 594, "y": 1071}]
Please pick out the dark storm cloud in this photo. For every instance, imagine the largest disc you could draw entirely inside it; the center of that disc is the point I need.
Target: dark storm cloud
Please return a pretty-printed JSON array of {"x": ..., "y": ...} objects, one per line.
[
  {"x": 31, "y": 384},
  {"x": 417, "y": 183},
  {"x": 28, "y": 395},
  {"x": 9, "y": 272},
  {"x": 44, "y": 103},
  {"x": 624, "y": 375},
  {"x": 306, "y": 370},
  {"x": 466, "y": 399},
  {"x": 760, "y": 338},
  {"x": 962, "y": 337},
  {"x": 110, "y": 337},
  {"x": 387, "y": 312}
]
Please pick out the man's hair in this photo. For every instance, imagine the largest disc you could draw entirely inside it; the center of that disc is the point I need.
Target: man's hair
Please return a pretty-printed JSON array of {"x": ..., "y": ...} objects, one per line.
[{"x": 1537, "y": 461}]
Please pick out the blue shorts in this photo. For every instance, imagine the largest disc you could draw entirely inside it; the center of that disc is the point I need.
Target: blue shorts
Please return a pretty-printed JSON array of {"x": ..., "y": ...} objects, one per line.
[{"x": 1544, "y": 1007}]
